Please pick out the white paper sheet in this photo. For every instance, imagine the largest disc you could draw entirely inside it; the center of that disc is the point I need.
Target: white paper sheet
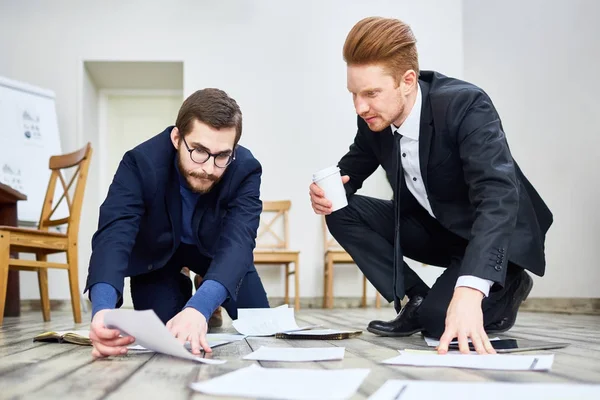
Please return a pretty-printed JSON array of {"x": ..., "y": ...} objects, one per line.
[
  {"x": 435, "y": 343},
  {"x": 213, "y": 339},
  {"x": 476, "y": 361},
  {"x": 419, "y": 390},
  {"x": 149, "y": 332},
  {"x": 296, "y": 354},
  {"x": 285, "y": 383},
  {"x": 266, "y": 321}
]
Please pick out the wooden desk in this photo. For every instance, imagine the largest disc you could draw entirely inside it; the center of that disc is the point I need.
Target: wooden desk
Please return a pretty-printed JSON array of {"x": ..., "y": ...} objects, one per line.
[{"x": 8, "y": 217}]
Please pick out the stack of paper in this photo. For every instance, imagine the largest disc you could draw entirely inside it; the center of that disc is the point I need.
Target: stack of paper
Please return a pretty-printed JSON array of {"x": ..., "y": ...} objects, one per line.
[
  {"x": 285, "y": 383},
  {"x": 150, "y": 333},
  {"x": 475, "y": 361},
  {"x": 266, "y": 321},
  {"x": 419, "y": 390},
  {"x": 296, "y": 354}
]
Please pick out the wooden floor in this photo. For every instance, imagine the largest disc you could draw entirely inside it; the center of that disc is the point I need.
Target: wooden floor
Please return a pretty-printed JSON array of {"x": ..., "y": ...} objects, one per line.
[{"x": 64, "y": 371}]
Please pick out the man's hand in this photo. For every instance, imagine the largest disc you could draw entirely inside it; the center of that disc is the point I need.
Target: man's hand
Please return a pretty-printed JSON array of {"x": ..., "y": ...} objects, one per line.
[
  {"x": 464, "y": 320},
  {"x": 190, "y": 325},
  {"x": 319, "y": 203},
  {"x": 107, "y": 342}
]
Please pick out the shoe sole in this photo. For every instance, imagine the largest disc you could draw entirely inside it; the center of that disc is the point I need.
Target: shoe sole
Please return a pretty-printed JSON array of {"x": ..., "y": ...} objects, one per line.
[
  {"x": 512, "y": 323},
  {"x": 392, "y": 334}
]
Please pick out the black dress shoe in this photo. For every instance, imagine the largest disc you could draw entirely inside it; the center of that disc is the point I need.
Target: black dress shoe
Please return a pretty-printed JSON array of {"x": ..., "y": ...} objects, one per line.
[
  {"x": 405, "y": 324},
  {"x": 518, "y": 293}
]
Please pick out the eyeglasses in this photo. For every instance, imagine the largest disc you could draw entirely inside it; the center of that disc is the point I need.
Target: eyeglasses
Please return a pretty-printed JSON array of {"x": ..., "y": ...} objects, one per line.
[{"x": 200, "y": 156}]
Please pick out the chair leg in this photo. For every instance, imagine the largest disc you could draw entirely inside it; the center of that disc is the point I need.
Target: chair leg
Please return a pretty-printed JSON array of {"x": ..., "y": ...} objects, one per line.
[
  {"x": 286, "y": 299},
  {"x": 74, "y": 283},
  {"x": 377, "y": 300},
  {"x": 43, "y": 284},
  {"x": 330, "y": 283},
  {"x": 297, "y": 284},
  {"x": 4, "y": 259},
  {"x": 364, "y": 293},
  {"x": 325, "y": 283}
]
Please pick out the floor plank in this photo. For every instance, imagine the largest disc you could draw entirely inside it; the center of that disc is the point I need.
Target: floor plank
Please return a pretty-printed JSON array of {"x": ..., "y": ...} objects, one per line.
[{"x": 49, "y": 370}]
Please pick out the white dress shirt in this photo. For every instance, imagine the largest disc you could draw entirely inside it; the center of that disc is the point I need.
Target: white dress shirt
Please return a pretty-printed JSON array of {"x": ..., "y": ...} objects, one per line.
[{"x": 409, "y": 149}]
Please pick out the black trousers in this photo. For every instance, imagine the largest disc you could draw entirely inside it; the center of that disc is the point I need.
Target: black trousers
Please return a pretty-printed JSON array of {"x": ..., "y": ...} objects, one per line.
[
  {"x": 365, "y": 229},
  {"x": 167, "y": 290}
]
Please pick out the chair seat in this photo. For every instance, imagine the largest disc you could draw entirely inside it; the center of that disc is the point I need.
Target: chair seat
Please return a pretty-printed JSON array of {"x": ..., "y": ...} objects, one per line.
[
  {"x": 33, "y": 240},
  {"x": 31, "y": 231},
  {"x": 338, "y": 255},
  {"x": 275, "y": 255}
]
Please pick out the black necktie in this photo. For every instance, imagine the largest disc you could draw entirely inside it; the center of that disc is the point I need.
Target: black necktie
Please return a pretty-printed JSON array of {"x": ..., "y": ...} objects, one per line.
[{"x": 398, "y": 259}]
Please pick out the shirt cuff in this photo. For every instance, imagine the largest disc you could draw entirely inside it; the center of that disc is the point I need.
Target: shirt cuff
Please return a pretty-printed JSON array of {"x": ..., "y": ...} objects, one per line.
[
  {"x": 209, "y": 296},
  {"x": 103, "y": 296},
  {"x": 483, "y": 285}
]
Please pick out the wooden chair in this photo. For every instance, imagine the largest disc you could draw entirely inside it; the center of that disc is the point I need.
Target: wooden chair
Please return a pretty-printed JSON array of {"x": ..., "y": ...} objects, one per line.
[
  {"x": 277, "y": 252},
  {"x": 42, "y": 242},
  {"x": 334, "y": 253}
]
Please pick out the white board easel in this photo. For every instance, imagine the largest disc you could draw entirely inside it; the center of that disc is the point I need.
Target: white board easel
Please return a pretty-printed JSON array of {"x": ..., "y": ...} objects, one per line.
[{"x": 29, "y": 136}]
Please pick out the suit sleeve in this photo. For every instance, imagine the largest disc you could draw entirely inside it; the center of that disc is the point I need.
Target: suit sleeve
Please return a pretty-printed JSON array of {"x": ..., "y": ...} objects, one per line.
[
  {"x": 489, "y": 173},
  {"x": 359, "y": 162},
  {"x": 118, "y": 225},
  {"x": 234, "y": 256}
]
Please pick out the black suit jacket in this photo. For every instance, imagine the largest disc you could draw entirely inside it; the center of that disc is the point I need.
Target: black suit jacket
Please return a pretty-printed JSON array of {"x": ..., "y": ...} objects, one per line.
[
  {"x": 474, "y": 186},
  {"x": 140, "y": 225}
]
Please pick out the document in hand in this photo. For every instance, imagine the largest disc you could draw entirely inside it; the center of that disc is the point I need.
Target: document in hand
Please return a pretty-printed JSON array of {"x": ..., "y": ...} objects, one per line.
[
  {"x": 296, "y": 354},
  {"x": 419, "y": 390},
  {"x": 285, "y": 383},
  {"x": 475, "y": 361},
  {"x": 149, "y": 332},
  {"x": 266, "y": 321}
]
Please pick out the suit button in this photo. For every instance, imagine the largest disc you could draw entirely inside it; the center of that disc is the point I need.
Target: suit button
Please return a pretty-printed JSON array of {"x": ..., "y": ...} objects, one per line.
[
  {"x": 150, "y": 267},
  {"x": 498, "y": 268},
  {"x": 501, "y": 250},
  {"x": 499, "y": 255}
]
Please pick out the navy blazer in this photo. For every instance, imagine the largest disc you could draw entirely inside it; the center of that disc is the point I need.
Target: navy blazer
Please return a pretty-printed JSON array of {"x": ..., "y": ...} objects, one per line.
[{"x": 139, "y": 228}]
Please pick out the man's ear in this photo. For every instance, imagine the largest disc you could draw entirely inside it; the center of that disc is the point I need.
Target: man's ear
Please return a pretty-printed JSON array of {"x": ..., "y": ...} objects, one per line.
[
  {"x": 175, "y": 137},
  {"x": 409, "y": 80}
]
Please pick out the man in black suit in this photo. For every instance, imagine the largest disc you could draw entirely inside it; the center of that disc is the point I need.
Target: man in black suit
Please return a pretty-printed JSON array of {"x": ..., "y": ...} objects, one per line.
[{"x": 460, "y": 199}]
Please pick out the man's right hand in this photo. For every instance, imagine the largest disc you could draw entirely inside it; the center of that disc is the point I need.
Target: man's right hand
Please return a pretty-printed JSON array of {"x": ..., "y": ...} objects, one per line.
[
  {"x": 107, "y": 342},
  {"x": 319, "y": 203}
]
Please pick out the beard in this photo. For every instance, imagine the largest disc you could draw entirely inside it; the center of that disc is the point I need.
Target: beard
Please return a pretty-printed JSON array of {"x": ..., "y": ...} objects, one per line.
[
  {"x": 192, "y": 178},
  {"x": 381, "y": 123}
]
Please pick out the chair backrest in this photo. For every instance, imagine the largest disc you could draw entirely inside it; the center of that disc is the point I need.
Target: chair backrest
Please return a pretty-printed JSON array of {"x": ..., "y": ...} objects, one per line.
[
  {"x": 71, "y": 194},
  {"x": 329, "y": 242},
  {"x": 274, "y": 225}
]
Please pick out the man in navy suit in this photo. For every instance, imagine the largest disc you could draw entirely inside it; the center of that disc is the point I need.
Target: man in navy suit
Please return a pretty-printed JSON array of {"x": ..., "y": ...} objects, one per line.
[
  {"x": 460, "y": 200},
  {"x": 187, "y": 198}
]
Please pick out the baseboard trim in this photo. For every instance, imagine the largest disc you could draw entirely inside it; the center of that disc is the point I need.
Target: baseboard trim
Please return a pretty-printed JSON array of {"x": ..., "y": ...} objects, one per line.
[
  {"x": 563, "y": 305},
  {"x": 567, "y": 305}
]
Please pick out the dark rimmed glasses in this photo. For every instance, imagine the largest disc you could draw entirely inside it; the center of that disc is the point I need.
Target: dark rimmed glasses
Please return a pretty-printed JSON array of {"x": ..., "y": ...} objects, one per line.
[{"x": 200, "y": 155}]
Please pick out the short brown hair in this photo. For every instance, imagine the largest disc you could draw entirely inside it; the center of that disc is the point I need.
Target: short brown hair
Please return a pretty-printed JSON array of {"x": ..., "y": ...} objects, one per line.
[
  {"x": 212, "y": 107},
  {"x": 377, "y": 40}
]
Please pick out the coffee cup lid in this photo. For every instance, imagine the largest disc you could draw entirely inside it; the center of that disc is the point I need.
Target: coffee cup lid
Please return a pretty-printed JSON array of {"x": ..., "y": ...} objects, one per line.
[{"x": 324, "y": 173}]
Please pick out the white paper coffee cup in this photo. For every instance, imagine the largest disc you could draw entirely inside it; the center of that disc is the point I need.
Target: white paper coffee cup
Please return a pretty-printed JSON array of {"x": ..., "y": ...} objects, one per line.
[{"x": 330, "y": 180}]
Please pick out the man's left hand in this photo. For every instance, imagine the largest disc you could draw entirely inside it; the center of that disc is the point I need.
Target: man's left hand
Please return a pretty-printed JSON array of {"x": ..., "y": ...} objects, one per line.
[
  {"x": 464, "y": 320},
  {"x": 190, "y": 325}
]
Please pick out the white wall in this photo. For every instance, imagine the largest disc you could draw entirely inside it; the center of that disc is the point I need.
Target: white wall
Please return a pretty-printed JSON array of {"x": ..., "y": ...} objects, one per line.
[
  {"x": 539, "y": 62},
  {"x": 280, "y": 60}
]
